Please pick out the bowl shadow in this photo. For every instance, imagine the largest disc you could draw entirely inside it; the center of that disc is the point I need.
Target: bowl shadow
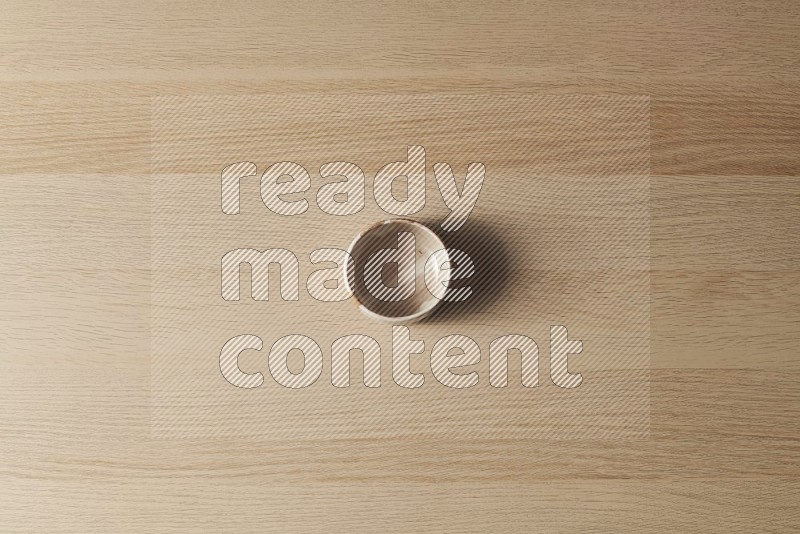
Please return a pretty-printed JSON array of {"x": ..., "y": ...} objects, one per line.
[{"x": 491, "y": 257}]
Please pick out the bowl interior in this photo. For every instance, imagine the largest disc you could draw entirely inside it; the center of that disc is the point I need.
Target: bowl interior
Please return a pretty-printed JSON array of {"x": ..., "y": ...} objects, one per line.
[{"x": 385, "y": 235}]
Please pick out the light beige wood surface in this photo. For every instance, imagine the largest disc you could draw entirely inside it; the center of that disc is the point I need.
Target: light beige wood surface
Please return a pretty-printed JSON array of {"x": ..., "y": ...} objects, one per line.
[{"x": 76, "y": 86}]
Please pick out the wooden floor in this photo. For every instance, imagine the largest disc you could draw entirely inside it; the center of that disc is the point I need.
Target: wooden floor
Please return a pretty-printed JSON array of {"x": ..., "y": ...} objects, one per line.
[{"x": 77, "y": 81}]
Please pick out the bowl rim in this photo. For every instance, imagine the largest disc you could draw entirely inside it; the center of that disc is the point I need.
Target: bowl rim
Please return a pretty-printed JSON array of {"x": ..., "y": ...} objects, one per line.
[{"x": 375, "y": 315}]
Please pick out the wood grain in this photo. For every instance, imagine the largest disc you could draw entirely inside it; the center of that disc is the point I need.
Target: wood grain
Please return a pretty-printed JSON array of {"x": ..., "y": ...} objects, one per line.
[{"x": 76, "y": 85}]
